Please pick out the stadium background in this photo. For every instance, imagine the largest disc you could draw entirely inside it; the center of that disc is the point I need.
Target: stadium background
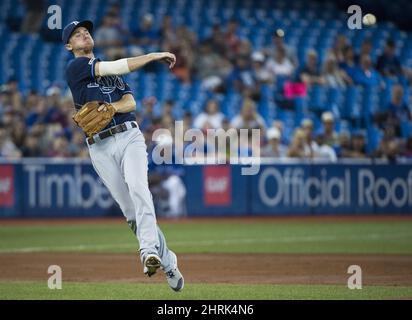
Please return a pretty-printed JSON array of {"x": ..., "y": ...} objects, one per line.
[{"x": 334, "y": 105}]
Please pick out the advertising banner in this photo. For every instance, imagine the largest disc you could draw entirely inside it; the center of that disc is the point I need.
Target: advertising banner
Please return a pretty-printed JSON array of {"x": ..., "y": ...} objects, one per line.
[
  {"x": 332, "y": 189},
  {"x": 44, "y": 188},
  {"x": 216, "y": 190}
]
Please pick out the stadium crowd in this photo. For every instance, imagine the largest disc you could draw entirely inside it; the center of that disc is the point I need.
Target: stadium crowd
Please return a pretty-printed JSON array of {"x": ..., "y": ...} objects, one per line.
[{"x": 36, "y": 125}]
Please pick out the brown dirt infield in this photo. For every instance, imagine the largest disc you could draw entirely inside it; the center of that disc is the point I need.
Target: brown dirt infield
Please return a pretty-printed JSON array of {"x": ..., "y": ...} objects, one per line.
[
  {"x": 311, "y": 269},
  {"x": 213, "y": 268},
  {"x": 233, "y": 219}
]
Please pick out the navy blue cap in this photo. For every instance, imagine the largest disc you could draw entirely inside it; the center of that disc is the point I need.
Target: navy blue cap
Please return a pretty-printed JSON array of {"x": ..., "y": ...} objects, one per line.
[{"x": 68, "y": 30}]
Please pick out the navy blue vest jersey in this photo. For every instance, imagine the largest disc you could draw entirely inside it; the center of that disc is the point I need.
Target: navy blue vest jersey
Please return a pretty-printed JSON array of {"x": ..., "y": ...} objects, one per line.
[{"x": 86, "y": 87}]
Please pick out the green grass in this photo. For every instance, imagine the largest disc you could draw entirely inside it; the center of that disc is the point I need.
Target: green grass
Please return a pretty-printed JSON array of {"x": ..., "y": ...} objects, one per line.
[
  {"x": 198, "y": 237},
  {"x": 388, "y": 237},
  {"x": 72, "y": 290}
]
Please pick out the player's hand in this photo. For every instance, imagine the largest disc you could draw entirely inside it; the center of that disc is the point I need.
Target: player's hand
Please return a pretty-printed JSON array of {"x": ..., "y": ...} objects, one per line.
[{"x": 168, "y": 57}]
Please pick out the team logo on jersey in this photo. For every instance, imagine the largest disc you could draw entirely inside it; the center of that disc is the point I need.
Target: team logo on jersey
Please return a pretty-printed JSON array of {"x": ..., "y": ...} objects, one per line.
[{"x": 108, "y": 84}]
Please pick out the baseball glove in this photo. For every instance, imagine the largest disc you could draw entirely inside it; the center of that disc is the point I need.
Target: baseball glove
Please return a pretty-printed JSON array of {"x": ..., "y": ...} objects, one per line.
[{"x": 91, "y": 120}]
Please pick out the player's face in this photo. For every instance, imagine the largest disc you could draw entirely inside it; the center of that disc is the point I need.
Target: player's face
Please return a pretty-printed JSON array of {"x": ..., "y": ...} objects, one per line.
[{"x": 81, "y": 39}]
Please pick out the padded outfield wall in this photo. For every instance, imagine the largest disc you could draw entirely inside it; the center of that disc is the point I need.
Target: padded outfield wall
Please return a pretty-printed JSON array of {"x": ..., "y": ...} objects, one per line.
[{"x": 49, "y": 187}]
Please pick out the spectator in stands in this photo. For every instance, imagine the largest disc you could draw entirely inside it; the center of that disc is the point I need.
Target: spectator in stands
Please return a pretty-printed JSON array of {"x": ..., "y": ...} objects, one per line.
[
  {"x": 110, "y": 37},
  {"x": 31, "y": 100},
  {"x": 248, "y": 118},
  {"x": 9, "y": 117},
  {"x": 39, "y": 130},
  {"x": 76, "y": 146},
  {"x": 324, "y": 151},
  {"x": 5, "y": 101},
  {"x": 59, "y": 147},
  {"x": 55, "y": 113},
  {"x": 388, "y": 149},
  {"x": 278, "y": 42},
  {"x": 186, "y": 36},
  {"x": 145, "y": 35},
  {"x": 348, "y": 64},
  {"x": 167, "y": 30},
  {"x": 211, "y": 67},
  {"x": 245, "y": 49},
  {"x": 233, "y": 148},
  {"x": 311, "y": 146},
  {"x": 52, "y": 131},
  {"x": 167, "y": 122},
  {"x": 5, "y": 106},
  {"x": 148, "y": 116},
  {"x": 345, "y": 144},
  {"x": 232, "y": 39},
  {"x": 330, "y": 136},
  {"x": 210, "y": 118},
  {"x": 217, "y": 40},
  {"x": 397, "y": 108},
  {"x": 12, "y": 87},
  {"x": 66, "y": 108},
  {"x": 220, "y": 142},
  {"x": 183, "y": 48},
  {"x": 184, "y": 61},
  {"x": 408, "y": 148},
  {"x": 339, "y": 47},
  {"x": 39, "y": 114},
  {"x": 8, "y": 149},
  {"x": 168, "y": 189},
  {"x": 365, "y": 74},
  {"x": 260, "y": 70},
  {"x": 35, "y": 10},
  {"x": 187, "y": 120},
  {"x": 31, "y": 148},
  {"x": 183, "y": 38},
  {"x": 310, "y": 73},
  {"x": 167, "y": 110},
  {"x": 274, "y": 148},
  {"x": 242, "y": 79},
  {"x": 18, "y": 132},
  {"x": 365, "y": 49},
  {"x": 335, "y": 77},
  {"x": 297, "y": 148},
  {"x": 278, "y": 124},
  {"x": 396, "y": 112},
  {"x": 388, "y": 63},
  {"x": 358, "y": 146},
  {"x": 114, "y": 9},
  {"x": 280, "y": 65},
  {"x": 226, "y": 124}
]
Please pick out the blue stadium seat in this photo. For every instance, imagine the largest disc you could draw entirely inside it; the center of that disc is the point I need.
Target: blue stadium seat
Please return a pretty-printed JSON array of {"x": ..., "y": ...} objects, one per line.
[
  {"x": 406, "y": 129},
  {"x": 317, "y": 98},
  {"x": 374, "y": 138},
  {"x": 352, "y": 107}
]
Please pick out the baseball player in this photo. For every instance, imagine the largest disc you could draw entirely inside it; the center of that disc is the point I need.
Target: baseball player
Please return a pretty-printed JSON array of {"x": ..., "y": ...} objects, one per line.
[{"x": 105, "y": 111}]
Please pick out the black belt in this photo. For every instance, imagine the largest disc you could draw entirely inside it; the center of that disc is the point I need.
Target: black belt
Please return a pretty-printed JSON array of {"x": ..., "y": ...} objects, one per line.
[{"x": 110, "y": 132}]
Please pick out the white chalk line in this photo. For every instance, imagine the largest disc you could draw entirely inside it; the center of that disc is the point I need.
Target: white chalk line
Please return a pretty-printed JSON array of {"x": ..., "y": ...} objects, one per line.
[{"x": 205, "y": 243}]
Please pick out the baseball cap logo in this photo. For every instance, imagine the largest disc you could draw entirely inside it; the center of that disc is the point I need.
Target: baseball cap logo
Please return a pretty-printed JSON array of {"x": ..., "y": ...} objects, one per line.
[{"x": 72, "y": 26}]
